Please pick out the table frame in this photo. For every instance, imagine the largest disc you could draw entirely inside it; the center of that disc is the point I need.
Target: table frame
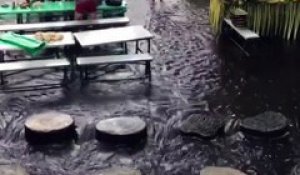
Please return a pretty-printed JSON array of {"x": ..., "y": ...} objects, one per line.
[
  {"x": 243, "y": 44},
  {"x": 124, "y": 38},
  {"x": 57, "y": 49},
  {"x": 72, "y": 55},
  {"x": 66, "y": 7}
]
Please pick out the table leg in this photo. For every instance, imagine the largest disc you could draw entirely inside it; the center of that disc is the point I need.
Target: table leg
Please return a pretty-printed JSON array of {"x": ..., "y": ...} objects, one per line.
[
  {"x": 86, "y": 73},
  {"x": 137, "y": 46},
  {"x": 126, "y": 48},
  {"x": 27, "y": 18},
  {"x": 148, "y": 70},
  {"x": 148, "y": 63},
  {"x": 71, "y": 16},
  {"x": 65, "y": 76},
  {"x": 71, "y": 58},
  {"x": 2, "y": 80},
  {"x": 19, "y": 18},
  {"x": 81, "y": 73},
  {"x": 149, "y": 45}
]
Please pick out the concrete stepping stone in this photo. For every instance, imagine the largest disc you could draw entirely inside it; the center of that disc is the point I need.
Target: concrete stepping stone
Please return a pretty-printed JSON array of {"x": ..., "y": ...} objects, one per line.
[
  {"x": 49, "y": 127},
  {"x": 266, "y": 124},
  {"x": 12, "y": 170},
  {"x": 296, "y": 170},
  {"x": 220, "y": 171},
  {"x": 121, "y": 130},
  {"x": 203, "y": 125},
  {"x": 120, "y": 171}
]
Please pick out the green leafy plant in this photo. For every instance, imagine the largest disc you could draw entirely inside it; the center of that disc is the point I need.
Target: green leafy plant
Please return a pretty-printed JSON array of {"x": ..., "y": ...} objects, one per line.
[{"x": 267, "y": 17}]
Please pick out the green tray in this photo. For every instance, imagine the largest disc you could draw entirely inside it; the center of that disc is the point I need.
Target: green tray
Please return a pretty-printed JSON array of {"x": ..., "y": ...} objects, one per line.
[{"x": 31, "y": 46}]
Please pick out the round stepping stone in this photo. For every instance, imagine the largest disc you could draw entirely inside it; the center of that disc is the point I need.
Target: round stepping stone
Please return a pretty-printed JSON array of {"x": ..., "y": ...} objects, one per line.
[
  {"x": 12, "y": 170},
  {"x": 121, "y": 130},
  {"x": 220, "y": 171},
  {"x": 49, "y": 127},
  {"x": 296, "y": 170},
  {"x": 265, "y": 124},
  {"x": 121, "y": 171},
  {"x": 204, "y": 125}
]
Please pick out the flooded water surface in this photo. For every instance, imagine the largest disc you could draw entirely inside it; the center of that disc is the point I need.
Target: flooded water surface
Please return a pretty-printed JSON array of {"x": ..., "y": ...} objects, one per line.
[{"x": 192, "y": 72}]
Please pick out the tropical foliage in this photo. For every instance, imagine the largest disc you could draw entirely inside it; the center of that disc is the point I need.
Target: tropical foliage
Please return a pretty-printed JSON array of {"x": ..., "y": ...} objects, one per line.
[
  {"x": 216, "y": 14},
  {"x": 266, "y": 17}
]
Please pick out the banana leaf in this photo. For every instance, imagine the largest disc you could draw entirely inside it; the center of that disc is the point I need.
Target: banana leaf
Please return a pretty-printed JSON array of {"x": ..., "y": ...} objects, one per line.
[{"x": 269, "y": 18}]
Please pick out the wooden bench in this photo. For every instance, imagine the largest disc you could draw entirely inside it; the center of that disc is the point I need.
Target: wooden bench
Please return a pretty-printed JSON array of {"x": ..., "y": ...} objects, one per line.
[
  {"x": 33, "y": 64},
  {"x": 62, "y": 25},
  {"x": 115, "y": 59},
  {"x": 246, "y": 34},
  {"x": 243, "y": 32}
]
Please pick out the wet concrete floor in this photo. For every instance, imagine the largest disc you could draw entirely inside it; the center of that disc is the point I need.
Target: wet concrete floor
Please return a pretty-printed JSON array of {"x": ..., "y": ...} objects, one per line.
[{"x": 192, "y": 72}]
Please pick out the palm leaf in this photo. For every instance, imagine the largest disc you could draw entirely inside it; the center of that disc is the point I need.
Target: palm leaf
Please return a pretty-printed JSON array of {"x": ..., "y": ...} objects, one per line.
[{"x": 297, "y": 22}]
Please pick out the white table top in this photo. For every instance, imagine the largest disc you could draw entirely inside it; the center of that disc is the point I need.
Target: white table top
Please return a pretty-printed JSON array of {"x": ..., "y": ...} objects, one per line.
[
  {"x": 67, "y": 41},
  {"x": 112, "y": 35}
]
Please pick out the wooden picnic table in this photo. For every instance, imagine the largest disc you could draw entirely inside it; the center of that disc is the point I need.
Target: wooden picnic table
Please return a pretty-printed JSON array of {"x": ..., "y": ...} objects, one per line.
[
  {"x": 120, "y": 35},
  {"x": 57, "y": 62},
  {"x": 68, "y": 40},
  {"x": 86, "y": 39}
]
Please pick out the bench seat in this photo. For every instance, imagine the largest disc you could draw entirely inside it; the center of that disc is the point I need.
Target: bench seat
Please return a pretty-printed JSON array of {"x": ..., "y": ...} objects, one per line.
[
  {"x": 115, "y": 59},
  {"x": 118, "y": 21},
  {"x": 33, "y": 64},
  {"x": 243, "y": 32},
  {"x": 112, "y": 59}
]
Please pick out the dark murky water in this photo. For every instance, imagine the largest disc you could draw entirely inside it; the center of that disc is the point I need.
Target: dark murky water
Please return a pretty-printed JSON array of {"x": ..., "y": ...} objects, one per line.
[{"x": 191, "y": 74}]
